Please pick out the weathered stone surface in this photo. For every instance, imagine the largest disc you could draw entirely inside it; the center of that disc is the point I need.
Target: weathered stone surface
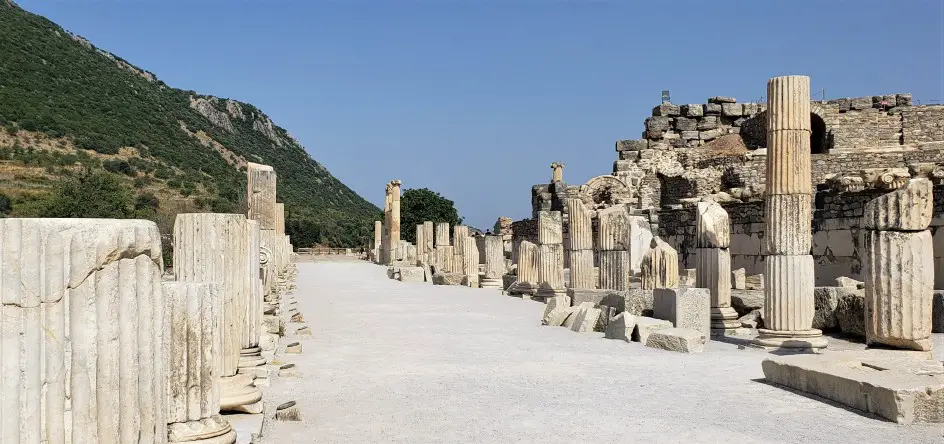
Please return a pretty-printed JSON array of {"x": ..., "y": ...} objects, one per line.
[
  {"x": 683, "y": 340},
  {"x": 788, "y": 224},
  {"x": 614, "y": 270},
  {"x": 550, "y": 261},
  {"x": 527, "y": 265},
  {"x": 693, "y": 110},
  {"x": 754, "y": 282},
  {"x": 659, "y": 266},
  {"x": 579, "y": 296},
  {"x": 640, "y": 240},
  {"x": 722, "y": 99},
  {"x": 684, "y": 307},
  {"x": 621, "y": 327},
  {"x": 905, "y": 390},
  {"x": 559, "y": 316},
  {"x": 713, "y": 227},
  {"x": 732, "y": 109},
  {"x": 494, "y": 261},
  {"x": 635, "y": 301},
  {"x": 909, "y": 208},
  {"x": 685, "y": 124},
  {"x": 442, "y": 234},
  {"x": 260, "y": 194},
  {"x": 555, "y": 305},
  {"x": 447, "y": 278},
  {"x": 937, "y": 312},
  {"x": 713, "y": 271},
  {"x": 580, "y": 225},
  {"x": 412, "y": 274},
  {"x": 899, "y": 285},
  {"x": 850, "y": 313},
  {"x": 746, "y": 301},
  {"x": 575, "y": 312},
  {"x": 738, "y": 279},
  {"x": 587, "y": 320},
  {"x": 550, "y": 227},
  {"x": 754, "y": 319},
  {"x": 645, "y": 326},
  {"x": 666, "y": 109},
  {"x": 826, "y": 299},
  {"x": 581, "y": 269},
  {"x": 790, "y": 284},
  {"x": 613, "y": 228},
  {"x": 712, "y": 109},
  {"x": 843, "y": 281}
]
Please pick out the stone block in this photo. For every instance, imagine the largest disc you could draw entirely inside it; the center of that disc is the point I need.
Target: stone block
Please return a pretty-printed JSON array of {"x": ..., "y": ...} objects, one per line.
[
  {"x": 712, "y": 109},
  {"x": 843, "y": 281},
  {"x": 754, "y": 282},
  {"x": 850, "y": 313},
  {"x": 690, "y": 135},
  {"x": 707, "y": 123},
  {"x": 732, "y": 110},
  {"x": 903, "y": 100},
  {"x": 738, "y": 279},
  {"x": 575, "y": 314},
  {"x": 666, "y": 109},
  {"x": 909, "y": 208},
  {"x": 684, "y": 307},
  {"x": 620, "y": 327},
  {"x": 635, "y": 301},
  {"x": 658, "y": 124},
  {"x": 587, "y": 320},
  {"x": 902, "y": 389},
  {"x": 412, "y": 274},
  {"x": 555, "y": 305},
  {"x": 448, "y": 278},
  {"x": 722, "y": 99},
  {"x": 746, "y": 301},
  {"x": 631, "y": 145},
  {"x": 683, "y": 340},
  {"x": 750, "y": 109},
  {"x": 693, "y": 110},
  {"x": 685, "y": 124},
  {"x": 754, "y": 319},
  {"x": 579, "y": 296},
  {"x": 826, "y": 300},
  {"x": 710, "y": 134},
  {"x": 860, "y": 103},
  {"x": 645, "y": 326},
  {"x": 559, "y": 316}
]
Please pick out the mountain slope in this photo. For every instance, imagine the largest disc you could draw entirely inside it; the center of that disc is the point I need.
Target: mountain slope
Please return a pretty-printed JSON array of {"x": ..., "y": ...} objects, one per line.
[{"x": 59, "y": 89}]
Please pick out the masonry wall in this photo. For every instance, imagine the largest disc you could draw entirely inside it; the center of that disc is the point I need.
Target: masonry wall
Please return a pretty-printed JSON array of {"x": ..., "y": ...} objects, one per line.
[{"x": 837, "y": 237}]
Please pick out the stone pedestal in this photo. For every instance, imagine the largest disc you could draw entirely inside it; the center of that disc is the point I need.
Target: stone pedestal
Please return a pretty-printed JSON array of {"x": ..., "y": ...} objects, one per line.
[
  {"x": 81, "y": 332},
  {"x": 494, "y": 262},
  {"x": 788, "y": 267},
  {"x": 215, "y": 248},
  {"x": 193, "y": 344}
]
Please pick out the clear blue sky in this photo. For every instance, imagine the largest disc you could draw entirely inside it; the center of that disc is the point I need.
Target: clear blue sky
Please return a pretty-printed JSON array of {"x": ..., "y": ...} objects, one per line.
[{"x": 475, "y": 99}]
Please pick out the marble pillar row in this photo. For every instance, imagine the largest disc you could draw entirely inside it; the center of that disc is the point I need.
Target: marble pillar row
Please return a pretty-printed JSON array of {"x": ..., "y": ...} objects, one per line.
[
  {"x": 899, "y": 267},
  {"x": 395, "y": 219},
  {"x": 788, "y": 265},
  {"x": 213, "y": 248},
  {"x": 81, "y": 332},
  {"x": 614, "y": 240},
  {"x": 550, "y": 255},
  {"x": 713, "y": 264},
  {"x": 580, "y": 250},
  {"x": 193, "y": 314},
  {"x": 494, "y": 262},
  {"x": 660, "y": 266}
]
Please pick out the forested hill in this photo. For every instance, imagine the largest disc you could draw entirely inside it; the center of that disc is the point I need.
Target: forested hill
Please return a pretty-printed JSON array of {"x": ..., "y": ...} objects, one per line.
[{"x": 68, "y": 108}]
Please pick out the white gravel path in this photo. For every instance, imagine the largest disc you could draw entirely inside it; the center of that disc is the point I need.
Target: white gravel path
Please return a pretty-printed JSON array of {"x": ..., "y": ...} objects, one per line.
[{"x": 396, "y": 362}]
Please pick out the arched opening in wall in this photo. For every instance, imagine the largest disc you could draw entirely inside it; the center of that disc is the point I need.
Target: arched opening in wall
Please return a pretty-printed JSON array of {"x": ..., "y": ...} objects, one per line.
[{"x": 819, "y": 140}]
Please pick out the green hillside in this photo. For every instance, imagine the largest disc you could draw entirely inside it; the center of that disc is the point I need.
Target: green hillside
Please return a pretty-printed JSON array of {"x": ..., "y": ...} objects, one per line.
[{"x": 65, "y": 104}]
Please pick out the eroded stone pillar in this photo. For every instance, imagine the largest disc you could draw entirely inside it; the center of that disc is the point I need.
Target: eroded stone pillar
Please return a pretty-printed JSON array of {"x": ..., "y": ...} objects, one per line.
[
  {"x": 557, "y": 172},
  {"x": 713, "y": 264},
  {"x": 378, "y": 241},
  {"x": 660, "y": 266},
  {"x": 550, "y": 255},
  {"x": 899, "y": 267},
  {"x": 193, "y": 345},
  {"x": 395, "y": 215},
  {"x": 442, "y": 234},
  {"x": 580, "y": 252},
  {"x": 214, "y": 248},
  {"x": 385, "y": 239},
  {"x": 81, "y": 332},
  {"x": 280, "y": 218},
  {"x": 428, "y": 240},
  {"x": 614, "y": 240},
  {"x": 527, "y": 279},
  {"x": 470, "y": 262},
  {"x": 421, "y": 256},
  {"x": 250, "y": 353},
  {"x": 260, "y": 193},
  {"x": 788, "y": 265},
  {"x": 494, "y": 262}
]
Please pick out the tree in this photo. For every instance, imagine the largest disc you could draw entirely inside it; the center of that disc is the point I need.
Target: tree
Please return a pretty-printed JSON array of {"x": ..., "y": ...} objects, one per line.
[
  {"x": 94, "y": 195},
  {"x": 420, "y": 205}
]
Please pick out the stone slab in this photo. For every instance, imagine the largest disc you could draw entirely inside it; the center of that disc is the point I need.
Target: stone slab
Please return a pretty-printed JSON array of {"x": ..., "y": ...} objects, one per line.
[
  {"x": 558, "y": 317},
  {"x": 904, "y": 387},
  {"x": 645, "y": 326},
  {"x": 575, "y": 314},
  {"x": 620, "y": 327},
  {"x": 682, "y": 340}
]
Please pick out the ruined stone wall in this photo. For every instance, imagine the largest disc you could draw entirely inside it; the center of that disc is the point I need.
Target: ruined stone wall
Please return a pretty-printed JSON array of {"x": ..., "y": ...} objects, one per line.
[{"x": 836, "y": 235}]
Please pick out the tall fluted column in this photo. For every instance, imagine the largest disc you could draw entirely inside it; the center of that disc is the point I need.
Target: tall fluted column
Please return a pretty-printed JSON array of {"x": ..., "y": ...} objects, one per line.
[
  {"x": 250, "y": 354},
  {"x": 899, "y": 267},
  {"x": 660, "y": 266},
  {"x": 378, "y": 241},
  {"x": 421, "y": 256},
  {"x": 459, "y": 234},
  {"x": 470, "y": 262},
  {"x": 550, "y": 255},
  {"x": 580, "y": 251},
  {"x": 193, "y": 344},
  {"x": 526, "y": 282},
  {"x": 614, "y": 241},
  {"x": 442, "y": 234},
  {"x": 385, "y": 240},
  {"x": 713, "y": 264},
  {"x": 260, "y": 193},
  {"x": 788, "y": 265},
  {"x": 428, "y": 238},
  {"x": 81, "y": 332},
  {"x": 213, "y": 248},
  {"x": 494, "y": 262},
  {"x": 394, "y": 217}
]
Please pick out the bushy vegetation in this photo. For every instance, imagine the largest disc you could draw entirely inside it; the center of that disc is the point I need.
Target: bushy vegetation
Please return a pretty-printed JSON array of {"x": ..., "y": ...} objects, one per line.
[
  {"x": 54, "y": 84},
  {"x": 420, "y": 205}
]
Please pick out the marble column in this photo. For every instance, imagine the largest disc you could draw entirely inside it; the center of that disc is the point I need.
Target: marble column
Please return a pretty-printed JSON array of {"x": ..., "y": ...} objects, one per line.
[
  {"x": 421, "y": 257},
  {"x": 470, "y": 262},
  {"x": 385, "y": 240},
  {"x": 81, "y": 332},
  {"x": 614, "y": 240},
  {"x": 527, "y": 280},
  {"x": 378, "y": 241},
  {"x": 428, "y": 238},
  {"x": 660, "y": 266},
  {"x": 395, "y": 216},
  {"x": 580, "y": 250},
  {"x": 713, "y": 264},
  {"x": 550, "y": 255},
  {"x": 494, "y": 262},
  {"x": 788, "y": 265},
  {"x": 213, "y": 248},
  {"x": 557, "y": 172},
  {"x": 250, "y": 354},
  {"x": 442, "y": 234},
  {"x": 193, "y": 345},
  {"x": 899, "y": 267},
  {"x": 260, "y": 194},
  {"x": 459, "y": 234},
  {"x": 280, "y": 218}
]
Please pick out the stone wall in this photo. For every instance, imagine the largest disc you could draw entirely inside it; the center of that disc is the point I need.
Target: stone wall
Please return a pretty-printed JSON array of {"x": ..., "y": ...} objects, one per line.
[{"x": 836, "y": 234}]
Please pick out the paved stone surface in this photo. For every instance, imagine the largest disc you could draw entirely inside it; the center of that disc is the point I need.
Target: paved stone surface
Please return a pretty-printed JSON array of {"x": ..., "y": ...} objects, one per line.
[{"x": 389, "y": 362}]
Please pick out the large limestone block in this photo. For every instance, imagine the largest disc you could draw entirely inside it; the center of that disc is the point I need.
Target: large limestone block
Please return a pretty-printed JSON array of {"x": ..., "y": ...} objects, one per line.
[
  {"x": 899, "y": 286},
  {"x": 578, "y": 313},
  {"x": 555, "y": 305},
  {"x": 260, "y": 193},
  {"x": 660, "y": 266},
  {"x": 646, "y": 325},
  {"x": 788, "y": 295},
  {"x": 635, "y": 301},
  {"x": 81, "y": 332},
  {"x": 683, "y": 340},
  {"x": 579, "y": 296},
  {"x": 902, "y": 389},
  {"x": 581, "y": 269},
  {"x": 558, "y": 317},
  {"x": 909, "y": 208},
  {"x": 193, "y": 314},
  {"x": 850, "y": 313},
  {"x": 614, "y": 270},
  {"x": 613, "y": 228},
  {"x": 788, "y": 224},
  {"x": 580, "y": 225},
  {"x": 550, "y": 227},
  {"x": 412, "y": 274},
  {"x": 683, "y": 307},
  {"x": 713, "y": 228},
  {"x": 448, "y": 278},
  {"x": 587, "y": 320},
  {"x": 738, "y": 279},
  {"x": 620, "y": 327}
]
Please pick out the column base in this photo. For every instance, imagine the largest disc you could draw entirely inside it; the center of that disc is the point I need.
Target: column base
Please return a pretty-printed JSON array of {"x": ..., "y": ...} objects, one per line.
[
  {"x": 238, "y": 394},
  {"x": 491, "y": 283},
  {"x": 546, "y": 293},
  {"x": 212, "y": 430},
  {"x": 723, "y": 319},
  {"x": 799, "y": 340}
]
